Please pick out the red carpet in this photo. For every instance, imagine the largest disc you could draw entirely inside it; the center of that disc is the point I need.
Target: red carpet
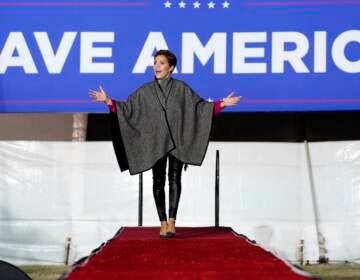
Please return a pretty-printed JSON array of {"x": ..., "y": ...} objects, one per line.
[{"x": 195, "y": 253}]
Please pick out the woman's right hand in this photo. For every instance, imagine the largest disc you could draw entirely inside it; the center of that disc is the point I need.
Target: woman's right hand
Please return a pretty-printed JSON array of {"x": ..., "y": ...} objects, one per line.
[{"x": 99, "y": 96}]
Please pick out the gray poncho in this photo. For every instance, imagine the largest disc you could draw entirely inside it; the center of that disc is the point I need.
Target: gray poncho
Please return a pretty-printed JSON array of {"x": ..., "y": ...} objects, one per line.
[{"x": 160, "y": 119}]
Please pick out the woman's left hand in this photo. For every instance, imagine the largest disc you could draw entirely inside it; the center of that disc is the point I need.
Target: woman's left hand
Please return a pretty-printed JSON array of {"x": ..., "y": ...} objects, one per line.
[{"x": 230, "y": 100}]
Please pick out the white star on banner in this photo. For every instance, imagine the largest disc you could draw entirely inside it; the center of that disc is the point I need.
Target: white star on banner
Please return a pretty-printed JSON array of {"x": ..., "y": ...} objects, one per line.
[
  {"x": 197, "y": 4},
  {"x": 182, "y": 4},
  {"x": 210, "y": 100},
  {"x": 226, "y": 4},
  {"x": 167, "y": 4}
]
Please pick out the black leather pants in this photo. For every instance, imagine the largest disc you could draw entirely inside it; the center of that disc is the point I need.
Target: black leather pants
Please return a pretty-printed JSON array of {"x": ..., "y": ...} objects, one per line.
[{"x": 174, "y": 176}]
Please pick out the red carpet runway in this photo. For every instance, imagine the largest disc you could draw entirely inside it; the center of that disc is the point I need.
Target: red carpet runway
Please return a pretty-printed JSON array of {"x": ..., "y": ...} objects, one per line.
[{"x": 195, "y": 253}]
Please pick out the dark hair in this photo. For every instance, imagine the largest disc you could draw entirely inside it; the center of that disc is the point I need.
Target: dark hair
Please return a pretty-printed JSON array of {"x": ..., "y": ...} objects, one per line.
[{"x": 171, "y": 58}]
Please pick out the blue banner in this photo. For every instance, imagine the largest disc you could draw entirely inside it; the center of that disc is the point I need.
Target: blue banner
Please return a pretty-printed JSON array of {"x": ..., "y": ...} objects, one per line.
[{"x": 279, "y": 55}]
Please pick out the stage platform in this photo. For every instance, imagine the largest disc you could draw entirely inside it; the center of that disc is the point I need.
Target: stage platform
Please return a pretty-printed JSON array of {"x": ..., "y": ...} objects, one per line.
[{"x": 195, "y": 253}]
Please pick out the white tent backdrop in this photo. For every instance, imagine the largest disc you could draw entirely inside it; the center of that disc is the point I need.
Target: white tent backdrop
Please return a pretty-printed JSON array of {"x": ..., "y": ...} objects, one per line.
[{"x": 50, "y": 191}]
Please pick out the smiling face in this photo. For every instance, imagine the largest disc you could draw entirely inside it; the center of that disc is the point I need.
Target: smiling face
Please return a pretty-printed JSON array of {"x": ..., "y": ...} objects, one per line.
[{"x": 162, "y": 68}]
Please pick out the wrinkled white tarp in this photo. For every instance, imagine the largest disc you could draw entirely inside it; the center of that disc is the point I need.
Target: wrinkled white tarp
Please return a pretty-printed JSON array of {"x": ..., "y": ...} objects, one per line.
[{"x": 50, "y": 191}]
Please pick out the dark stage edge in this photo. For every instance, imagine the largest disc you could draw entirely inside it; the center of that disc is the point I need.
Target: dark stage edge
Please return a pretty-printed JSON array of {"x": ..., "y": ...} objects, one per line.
[
  {"x": 263, "y": 126},
  {"x": 138, "y": 237}
]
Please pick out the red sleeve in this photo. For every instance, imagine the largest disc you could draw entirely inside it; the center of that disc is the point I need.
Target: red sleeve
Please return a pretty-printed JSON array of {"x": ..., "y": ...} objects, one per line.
[
  {"x": 112, "y": 107},
  {"x": 217, "y": 107}
]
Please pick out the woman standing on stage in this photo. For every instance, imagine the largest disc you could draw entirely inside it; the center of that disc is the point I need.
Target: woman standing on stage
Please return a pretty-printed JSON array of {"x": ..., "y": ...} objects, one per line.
[{"x": 163, "y": 120}]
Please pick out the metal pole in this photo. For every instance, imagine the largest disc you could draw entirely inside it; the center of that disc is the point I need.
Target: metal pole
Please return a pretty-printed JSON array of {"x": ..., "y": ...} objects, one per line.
[
  {"x": 140, "y": 218},
  {"x": 319, "y": 235},
  {"x": 67, "y": 250},
  {"x": 301, "y": 252},
  {"x": 217, "y": 190}
]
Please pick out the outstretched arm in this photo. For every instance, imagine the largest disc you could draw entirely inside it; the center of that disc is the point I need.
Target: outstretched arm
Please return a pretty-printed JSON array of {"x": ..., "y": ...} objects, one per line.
[
  {"x": 100, "y": 96},
  {"x": 230, "y": 100}
]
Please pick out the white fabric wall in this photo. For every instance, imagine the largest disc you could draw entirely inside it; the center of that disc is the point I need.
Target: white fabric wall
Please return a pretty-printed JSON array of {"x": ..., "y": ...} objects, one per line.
[{"x": 53, "y": 190}]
